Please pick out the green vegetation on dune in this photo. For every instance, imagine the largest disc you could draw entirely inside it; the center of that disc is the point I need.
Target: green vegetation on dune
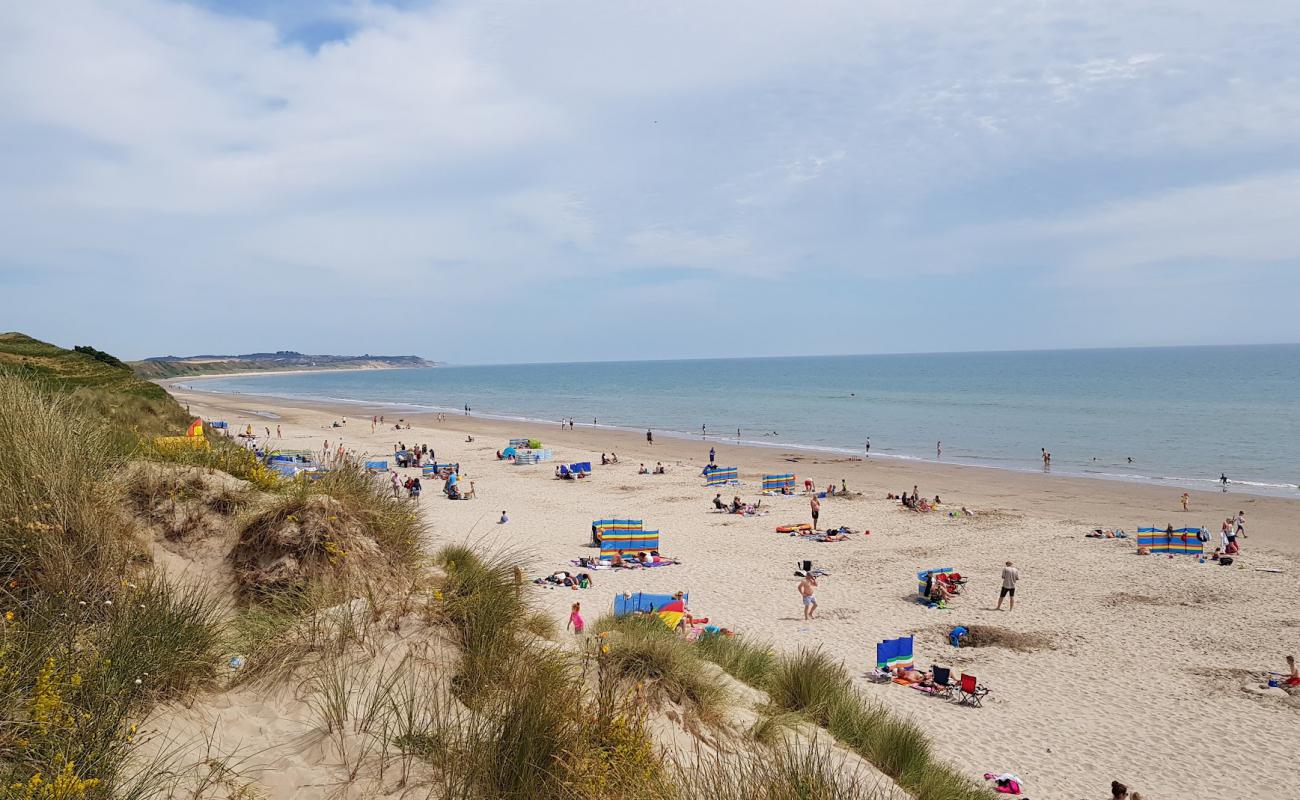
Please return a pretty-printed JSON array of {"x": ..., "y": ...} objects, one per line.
[
  {"x": 810, "y": 683},
  {"x": 105, "y": 385}
]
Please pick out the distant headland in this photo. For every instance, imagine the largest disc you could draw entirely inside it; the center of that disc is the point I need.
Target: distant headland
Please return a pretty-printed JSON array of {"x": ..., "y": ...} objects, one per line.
[{"x": 284, "y": 360}]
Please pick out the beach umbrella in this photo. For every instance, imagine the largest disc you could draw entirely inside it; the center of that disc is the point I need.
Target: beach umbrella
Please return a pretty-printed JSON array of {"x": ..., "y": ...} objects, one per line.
[{"x": 671, "y": 613}]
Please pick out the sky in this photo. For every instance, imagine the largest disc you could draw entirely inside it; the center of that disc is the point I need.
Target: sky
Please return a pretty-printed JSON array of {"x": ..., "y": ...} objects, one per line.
[{"x": 527, "y": 180}]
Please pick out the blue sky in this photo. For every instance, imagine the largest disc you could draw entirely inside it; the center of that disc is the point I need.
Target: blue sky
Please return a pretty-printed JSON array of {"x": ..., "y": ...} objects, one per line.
[{"x": 535, "y": 181}]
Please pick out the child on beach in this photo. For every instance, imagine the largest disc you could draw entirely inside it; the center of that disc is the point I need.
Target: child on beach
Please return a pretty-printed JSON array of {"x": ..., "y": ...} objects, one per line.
[
  {"x": 575, "y": 619},
  {"x": 807, "y": 588},
  {"x": 504, "y": 519}
]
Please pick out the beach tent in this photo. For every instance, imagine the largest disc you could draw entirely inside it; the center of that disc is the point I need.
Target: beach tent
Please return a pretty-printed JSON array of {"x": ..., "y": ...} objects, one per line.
[
  {"x": 218, "y": 424},
  {"x": 581, "y": 466},
  {"x": 598, "y": 527},
  {"x": 195, "y": 429},
  {"x": 894, "y": 653},
  {"x": 922, "y": 583},
  {"x": 642, "y": 603},
  {"x": 721, "y": 476},
  {"x": 629, "y": 541},
  {"x": 377, "y": 466},
  {"x": 1186, "y": 541},
  {"x": 775, "y": 483}
]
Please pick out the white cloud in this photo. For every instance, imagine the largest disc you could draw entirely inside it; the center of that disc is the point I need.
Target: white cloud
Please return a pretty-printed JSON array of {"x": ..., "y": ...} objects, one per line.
[{"x": 519, "y": 143}]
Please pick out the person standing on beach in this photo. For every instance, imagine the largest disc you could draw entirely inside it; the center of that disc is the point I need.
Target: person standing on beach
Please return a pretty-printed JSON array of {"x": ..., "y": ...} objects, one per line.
[
  {"x": 1009, "y": 577},
  {"x": 816, "y": 509},
  {"x": 1184, "y": 500},
  {"x": 704, "y": 431},
  {"x": 938, "y": 450},
  {"x": 649, "y": 437},
  {"x": 807, "y": 589},
  {"x": 278, "y": 434},
  {"x": 867, "y": 449},
  {"x": 1241, "y": 524},
  {"x": 713, "y": 455}
]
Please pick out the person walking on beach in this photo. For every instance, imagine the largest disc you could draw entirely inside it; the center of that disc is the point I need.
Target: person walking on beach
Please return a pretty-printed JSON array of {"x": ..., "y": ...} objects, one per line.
[
  {"x": 278, "y": 434},
  {"x": 1241, "y": 524},
  {"x": 649, "y": 437},
  {"x": 1009, "y": 577},
  {"x": 807, "y": 589},
  {"x": 867, "y": 448},
  {"x": 938, "y": 450},
  {"x": 816, "y": 509},
  {"x": 1223, "y": 481},
  {"x": 1184, "y": 500},
  {"x": 575, "y": 619},
  {"x": 704, "y": 431},
  {"x": 713, "y": 455}
]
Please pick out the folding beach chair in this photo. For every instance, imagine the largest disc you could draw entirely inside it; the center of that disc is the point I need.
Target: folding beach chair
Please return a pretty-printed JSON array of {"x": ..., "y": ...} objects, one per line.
[
  {"x": 943, "y": 685},
  {"x": 969, "y": 692}
]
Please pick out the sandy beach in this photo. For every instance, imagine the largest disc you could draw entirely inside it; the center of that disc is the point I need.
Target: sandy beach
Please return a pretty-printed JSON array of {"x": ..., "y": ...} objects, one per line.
[{"x": 1140, "y": 669}]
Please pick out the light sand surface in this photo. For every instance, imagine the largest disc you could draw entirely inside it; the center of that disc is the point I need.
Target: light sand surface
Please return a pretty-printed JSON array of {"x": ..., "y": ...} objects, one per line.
[{"x": 1147, "y": 677}]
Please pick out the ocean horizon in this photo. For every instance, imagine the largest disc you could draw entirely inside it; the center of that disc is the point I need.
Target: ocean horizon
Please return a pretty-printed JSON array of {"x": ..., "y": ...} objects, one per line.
[{"x": 1177, "y": 416}]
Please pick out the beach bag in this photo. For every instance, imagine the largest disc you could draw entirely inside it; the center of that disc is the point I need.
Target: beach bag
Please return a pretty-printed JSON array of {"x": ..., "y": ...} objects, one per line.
[{"x": 1225, "y": 561}]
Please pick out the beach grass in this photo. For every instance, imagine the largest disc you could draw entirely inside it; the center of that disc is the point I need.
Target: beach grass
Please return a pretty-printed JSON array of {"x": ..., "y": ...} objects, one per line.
[
  {"x": 747, "y": 660},
  {"x": 789, "y": 771},
  {"x": 643, "y": 652},
  {"x": 812, "y": 684}
]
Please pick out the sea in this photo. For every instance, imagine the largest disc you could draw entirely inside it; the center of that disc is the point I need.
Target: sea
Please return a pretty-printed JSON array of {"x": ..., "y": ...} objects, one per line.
[{"x": 1182, "y": 416}]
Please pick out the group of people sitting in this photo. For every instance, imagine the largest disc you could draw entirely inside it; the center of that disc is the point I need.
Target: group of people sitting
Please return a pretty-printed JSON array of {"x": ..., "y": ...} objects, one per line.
[
  {"x": 736, "y": 506},
  {"x": 412, "y": 456},
  {"x": 914, "y": 501},
  {"x": 606, "y": 460},
  {"x": 940, "y": 586},
  {"x": 564, "y": 473},
  {"x": 452, "y": 488},
  {"x": 658, "y": 470}
]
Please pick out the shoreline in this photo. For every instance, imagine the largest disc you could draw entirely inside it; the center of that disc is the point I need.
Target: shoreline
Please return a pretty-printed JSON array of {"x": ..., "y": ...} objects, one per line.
[
  {"x": 1284, "y": 491},
  {"x": 1107, "y": 502}
]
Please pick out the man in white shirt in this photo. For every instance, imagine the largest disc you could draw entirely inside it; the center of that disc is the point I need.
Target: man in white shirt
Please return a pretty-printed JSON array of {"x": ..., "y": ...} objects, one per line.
[{"x": 1009, "y": 577}]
